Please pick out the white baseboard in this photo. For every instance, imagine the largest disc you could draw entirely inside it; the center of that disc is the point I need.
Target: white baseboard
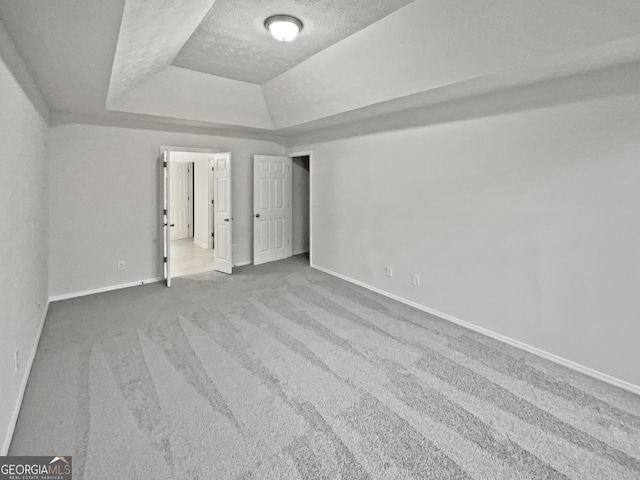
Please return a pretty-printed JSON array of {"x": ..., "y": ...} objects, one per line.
[
  {"x": 299, "y": 252},
  {"x": 200, "y": 244},
  {"x": 510, "y": 341},
  {"x": 67, "y": 296},
  {"x": 23, "y": 385}
]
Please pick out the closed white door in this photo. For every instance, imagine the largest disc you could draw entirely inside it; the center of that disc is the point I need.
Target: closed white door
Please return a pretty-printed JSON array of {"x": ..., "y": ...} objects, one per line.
[
  {"x": 271, "y": 208},
  {"x": 179, "y": 200},
  {"x": 222, "y": 216}
]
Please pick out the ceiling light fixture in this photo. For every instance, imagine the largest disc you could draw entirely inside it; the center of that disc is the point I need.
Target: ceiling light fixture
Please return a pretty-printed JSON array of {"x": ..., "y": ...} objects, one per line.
[{"x": 283, "y": 27}]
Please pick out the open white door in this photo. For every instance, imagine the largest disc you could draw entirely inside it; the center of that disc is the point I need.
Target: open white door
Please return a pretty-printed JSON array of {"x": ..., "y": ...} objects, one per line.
[
  {"x": 222, "y": 217},
  {"x": 212, "y": 200},
  {"x": 271, "y": 208},
  {"x": 180, "y": 175},
  {"x": 167, "y": 216}
]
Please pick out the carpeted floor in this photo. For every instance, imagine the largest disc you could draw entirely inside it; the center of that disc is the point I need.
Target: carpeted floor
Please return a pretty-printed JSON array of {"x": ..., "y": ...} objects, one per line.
[{"x": 281, "y": 371}]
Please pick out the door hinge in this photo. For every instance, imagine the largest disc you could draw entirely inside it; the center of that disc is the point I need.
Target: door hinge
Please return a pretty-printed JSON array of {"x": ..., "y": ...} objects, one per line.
[
  {"x": 165, "y": 259},
  {"x": 165, "y": 211},
  {"x": 165, "y": 164}
]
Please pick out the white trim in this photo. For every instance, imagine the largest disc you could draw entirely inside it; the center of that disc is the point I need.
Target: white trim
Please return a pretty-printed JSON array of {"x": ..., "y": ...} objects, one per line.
[
  {"x": 191, "y": 168},
  {"x": 23, "y": 386},
  {"x": 66, "y": 296},
  {"x": 242, "y": 264},
  {"x": 164, "y": 148},
  {"x": 201, "y": 245},
  {"x": 168, "y": 218},
  {"x": 509, "y": 341},
  {"x": 299, "y": 252},
  {"x": 304, "y": 153},
  {"x": 211, "y": 195}
]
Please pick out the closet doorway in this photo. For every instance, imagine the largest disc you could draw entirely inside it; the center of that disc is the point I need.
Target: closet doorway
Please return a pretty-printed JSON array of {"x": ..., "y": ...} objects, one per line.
[{"x": 281, "y": 207}]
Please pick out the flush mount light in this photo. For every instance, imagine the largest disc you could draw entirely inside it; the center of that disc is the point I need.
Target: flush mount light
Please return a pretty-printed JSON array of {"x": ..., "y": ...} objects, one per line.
[{"x": 283, "y": 27}]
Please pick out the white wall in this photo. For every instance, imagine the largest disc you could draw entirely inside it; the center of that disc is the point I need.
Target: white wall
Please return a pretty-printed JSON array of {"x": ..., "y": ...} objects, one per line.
[
  {"x": 201, "y": 233},
  {"x": 105, "y": 195},
  {"x": 180, "y": 93},
  {"x": 23, "y": 239},
  {"x": 300, "y": 205},
  {"x": 525, "y": 224}
]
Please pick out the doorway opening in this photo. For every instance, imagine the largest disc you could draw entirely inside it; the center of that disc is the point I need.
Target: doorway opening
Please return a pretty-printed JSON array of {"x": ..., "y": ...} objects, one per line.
[
  {"x": 192, "y": 235},
  {"x": 196, "y": 211},
  {"x": 281, "y": 207},
  {"x": 301, "y": 203}
]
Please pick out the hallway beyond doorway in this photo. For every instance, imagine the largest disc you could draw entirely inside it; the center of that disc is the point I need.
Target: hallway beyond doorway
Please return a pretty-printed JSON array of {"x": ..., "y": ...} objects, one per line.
[{"x": 188, "y": 258}]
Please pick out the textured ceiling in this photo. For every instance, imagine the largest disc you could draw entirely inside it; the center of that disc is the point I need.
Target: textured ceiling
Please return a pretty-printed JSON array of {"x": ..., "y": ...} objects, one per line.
[
  {"x": 151, "y": 34},
  {"x": 431, "y": 60},
  {"x": 232, "y": 41}
]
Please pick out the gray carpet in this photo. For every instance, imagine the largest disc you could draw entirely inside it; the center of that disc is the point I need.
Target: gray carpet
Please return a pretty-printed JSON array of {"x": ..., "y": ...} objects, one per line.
[{"x": 281, "y": 371}]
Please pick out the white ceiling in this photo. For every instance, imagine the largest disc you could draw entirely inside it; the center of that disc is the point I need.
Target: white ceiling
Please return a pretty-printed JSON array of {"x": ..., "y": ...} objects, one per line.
[
  {"x": 124, "y": 60},
  {"x": 232, "y": 41},
  {"x": 151, "y": 34}
]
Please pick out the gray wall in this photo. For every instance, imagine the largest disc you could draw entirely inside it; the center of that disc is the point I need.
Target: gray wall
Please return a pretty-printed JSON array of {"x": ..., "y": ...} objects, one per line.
[
  {"x": 23, "y": 235},
  {"x": 524, "y": 224},
  {"x": 104, "y": 201}
]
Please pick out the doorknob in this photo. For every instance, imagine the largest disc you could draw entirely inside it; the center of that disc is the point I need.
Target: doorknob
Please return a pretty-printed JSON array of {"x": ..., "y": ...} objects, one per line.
[
  {"x": 257, "y": 215},
  {"x": 226, "y": 219}
]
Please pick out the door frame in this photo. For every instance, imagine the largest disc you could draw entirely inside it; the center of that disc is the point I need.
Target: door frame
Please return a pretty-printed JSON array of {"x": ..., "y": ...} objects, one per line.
[
  {"x": 307, "y": 153},
  {"x": 165, "y": 148},
  {"x": 166, "y": 217},
  {"x": 211, "y": 207},
  {"x": 165, "y": 266}
]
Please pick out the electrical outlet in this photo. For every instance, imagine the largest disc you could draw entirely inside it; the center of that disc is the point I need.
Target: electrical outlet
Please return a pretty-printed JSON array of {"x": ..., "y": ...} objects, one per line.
[
  {"x": 389, "y": 272},
  {"x": 121, "y": 264},
  {"x": 15, "y": 360},
  {"x": 416, "y": 280}
]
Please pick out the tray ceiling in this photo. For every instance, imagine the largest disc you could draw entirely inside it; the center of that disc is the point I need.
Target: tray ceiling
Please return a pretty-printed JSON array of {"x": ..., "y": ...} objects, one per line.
[
  {"x": 386, "y": 65},
  {"x": 232, "y": 41}
]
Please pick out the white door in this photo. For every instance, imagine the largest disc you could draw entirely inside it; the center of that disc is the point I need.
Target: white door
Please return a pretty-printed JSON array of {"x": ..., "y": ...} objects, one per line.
[
  {"x": 212, "y": 199},
  {"x": 166, "y": 175},
  {"x": 271, "y": 208},
  {"x": 222, "y": 216},
  {"x": 180, "y": 200}
]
